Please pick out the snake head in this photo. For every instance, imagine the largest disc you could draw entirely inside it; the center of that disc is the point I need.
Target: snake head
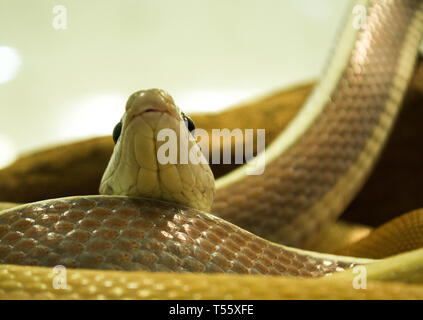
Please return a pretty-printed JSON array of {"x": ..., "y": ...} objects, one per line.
[{"x": 153, "y": 154}]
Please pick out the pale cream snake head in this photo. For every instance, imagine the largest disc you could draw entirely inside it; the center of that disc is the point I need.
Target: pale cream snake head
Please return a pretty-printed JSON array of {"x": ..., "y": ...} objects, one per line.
[{"x": 134, "y": 168}]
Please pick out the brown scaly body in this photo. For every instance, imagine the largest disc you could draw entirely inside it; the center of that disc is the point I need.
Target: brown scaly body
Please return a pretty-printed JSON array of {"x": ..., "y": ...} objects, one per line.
[{"x": 118, "y": 233}]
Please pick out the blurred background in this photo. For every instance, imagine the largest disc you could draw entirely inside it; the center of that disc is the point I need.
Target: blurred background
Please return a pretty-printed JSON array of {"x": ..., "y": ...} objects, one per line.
[{"x": 67, "y": 67}]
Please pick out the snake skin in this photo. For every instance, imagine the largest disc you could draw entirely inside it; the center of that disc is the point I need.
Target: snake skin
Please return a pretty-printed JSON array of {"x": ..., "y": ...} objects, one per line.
[
  {"x": 303, "y": 188},
  {"x": 134, "y": 234},
  {"x": 313, "y": 181},
  {"x": 17, "y": 282},
  {"x": 401, "y": 234}
]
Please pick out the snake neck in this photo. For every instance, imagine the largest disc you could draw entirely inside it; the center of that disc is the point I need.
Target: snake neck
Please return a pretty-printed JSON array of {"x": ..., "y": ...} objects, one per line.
[{"x": 316, "y": 167}]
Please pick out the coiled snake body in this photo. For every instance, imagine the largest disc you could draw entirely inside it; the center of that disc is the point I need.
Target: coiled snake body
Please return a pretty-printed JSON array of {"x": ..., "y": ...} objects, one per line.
[{"x": 146, "y": 224}]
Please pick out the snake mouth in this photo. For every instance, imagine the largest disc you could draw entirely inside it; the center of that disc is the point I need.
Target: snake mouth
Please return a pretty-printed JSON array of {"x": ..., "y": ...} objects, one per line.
[
  {"x": 150, "y": 101},
  {"x": 149, "y": 110}
]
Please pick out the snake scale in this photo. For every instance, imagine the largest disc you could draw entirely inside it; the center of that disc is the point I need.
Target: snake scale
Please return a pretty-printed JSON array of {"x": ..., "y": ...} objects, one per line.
[{"x": 151, "y": 220}]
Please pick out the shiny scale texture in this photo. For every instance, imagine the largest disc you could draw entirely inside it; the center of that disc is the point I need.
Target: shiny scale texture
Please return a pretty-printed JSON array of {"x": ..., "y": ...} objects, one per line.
[
  {"x": 17, "y": 282},
  {"x": 133, "y": 234},
  {"x": 401, "y": 234},
  {"x": 312, "y": 182}
]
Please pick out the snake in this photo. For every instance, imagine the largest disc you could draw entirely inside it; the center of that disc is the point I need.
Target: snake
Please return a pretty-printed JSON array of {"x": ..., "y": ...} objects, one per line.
[{"x": 165, "y": 229}]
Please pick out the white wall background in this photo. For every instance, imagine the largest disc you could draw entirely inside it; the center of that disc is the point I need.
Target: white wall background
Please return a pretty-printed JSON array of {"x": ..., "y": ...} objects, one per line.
[{"x": 60, "y": 85}]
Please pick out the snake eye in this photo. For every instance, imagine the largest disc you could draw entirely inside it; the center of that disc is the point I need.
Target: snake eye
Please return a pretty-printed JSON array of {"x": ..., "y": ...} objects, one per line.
[
  {"x": 189, "y": 123},
  {"x": 116, "y": 131}
]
